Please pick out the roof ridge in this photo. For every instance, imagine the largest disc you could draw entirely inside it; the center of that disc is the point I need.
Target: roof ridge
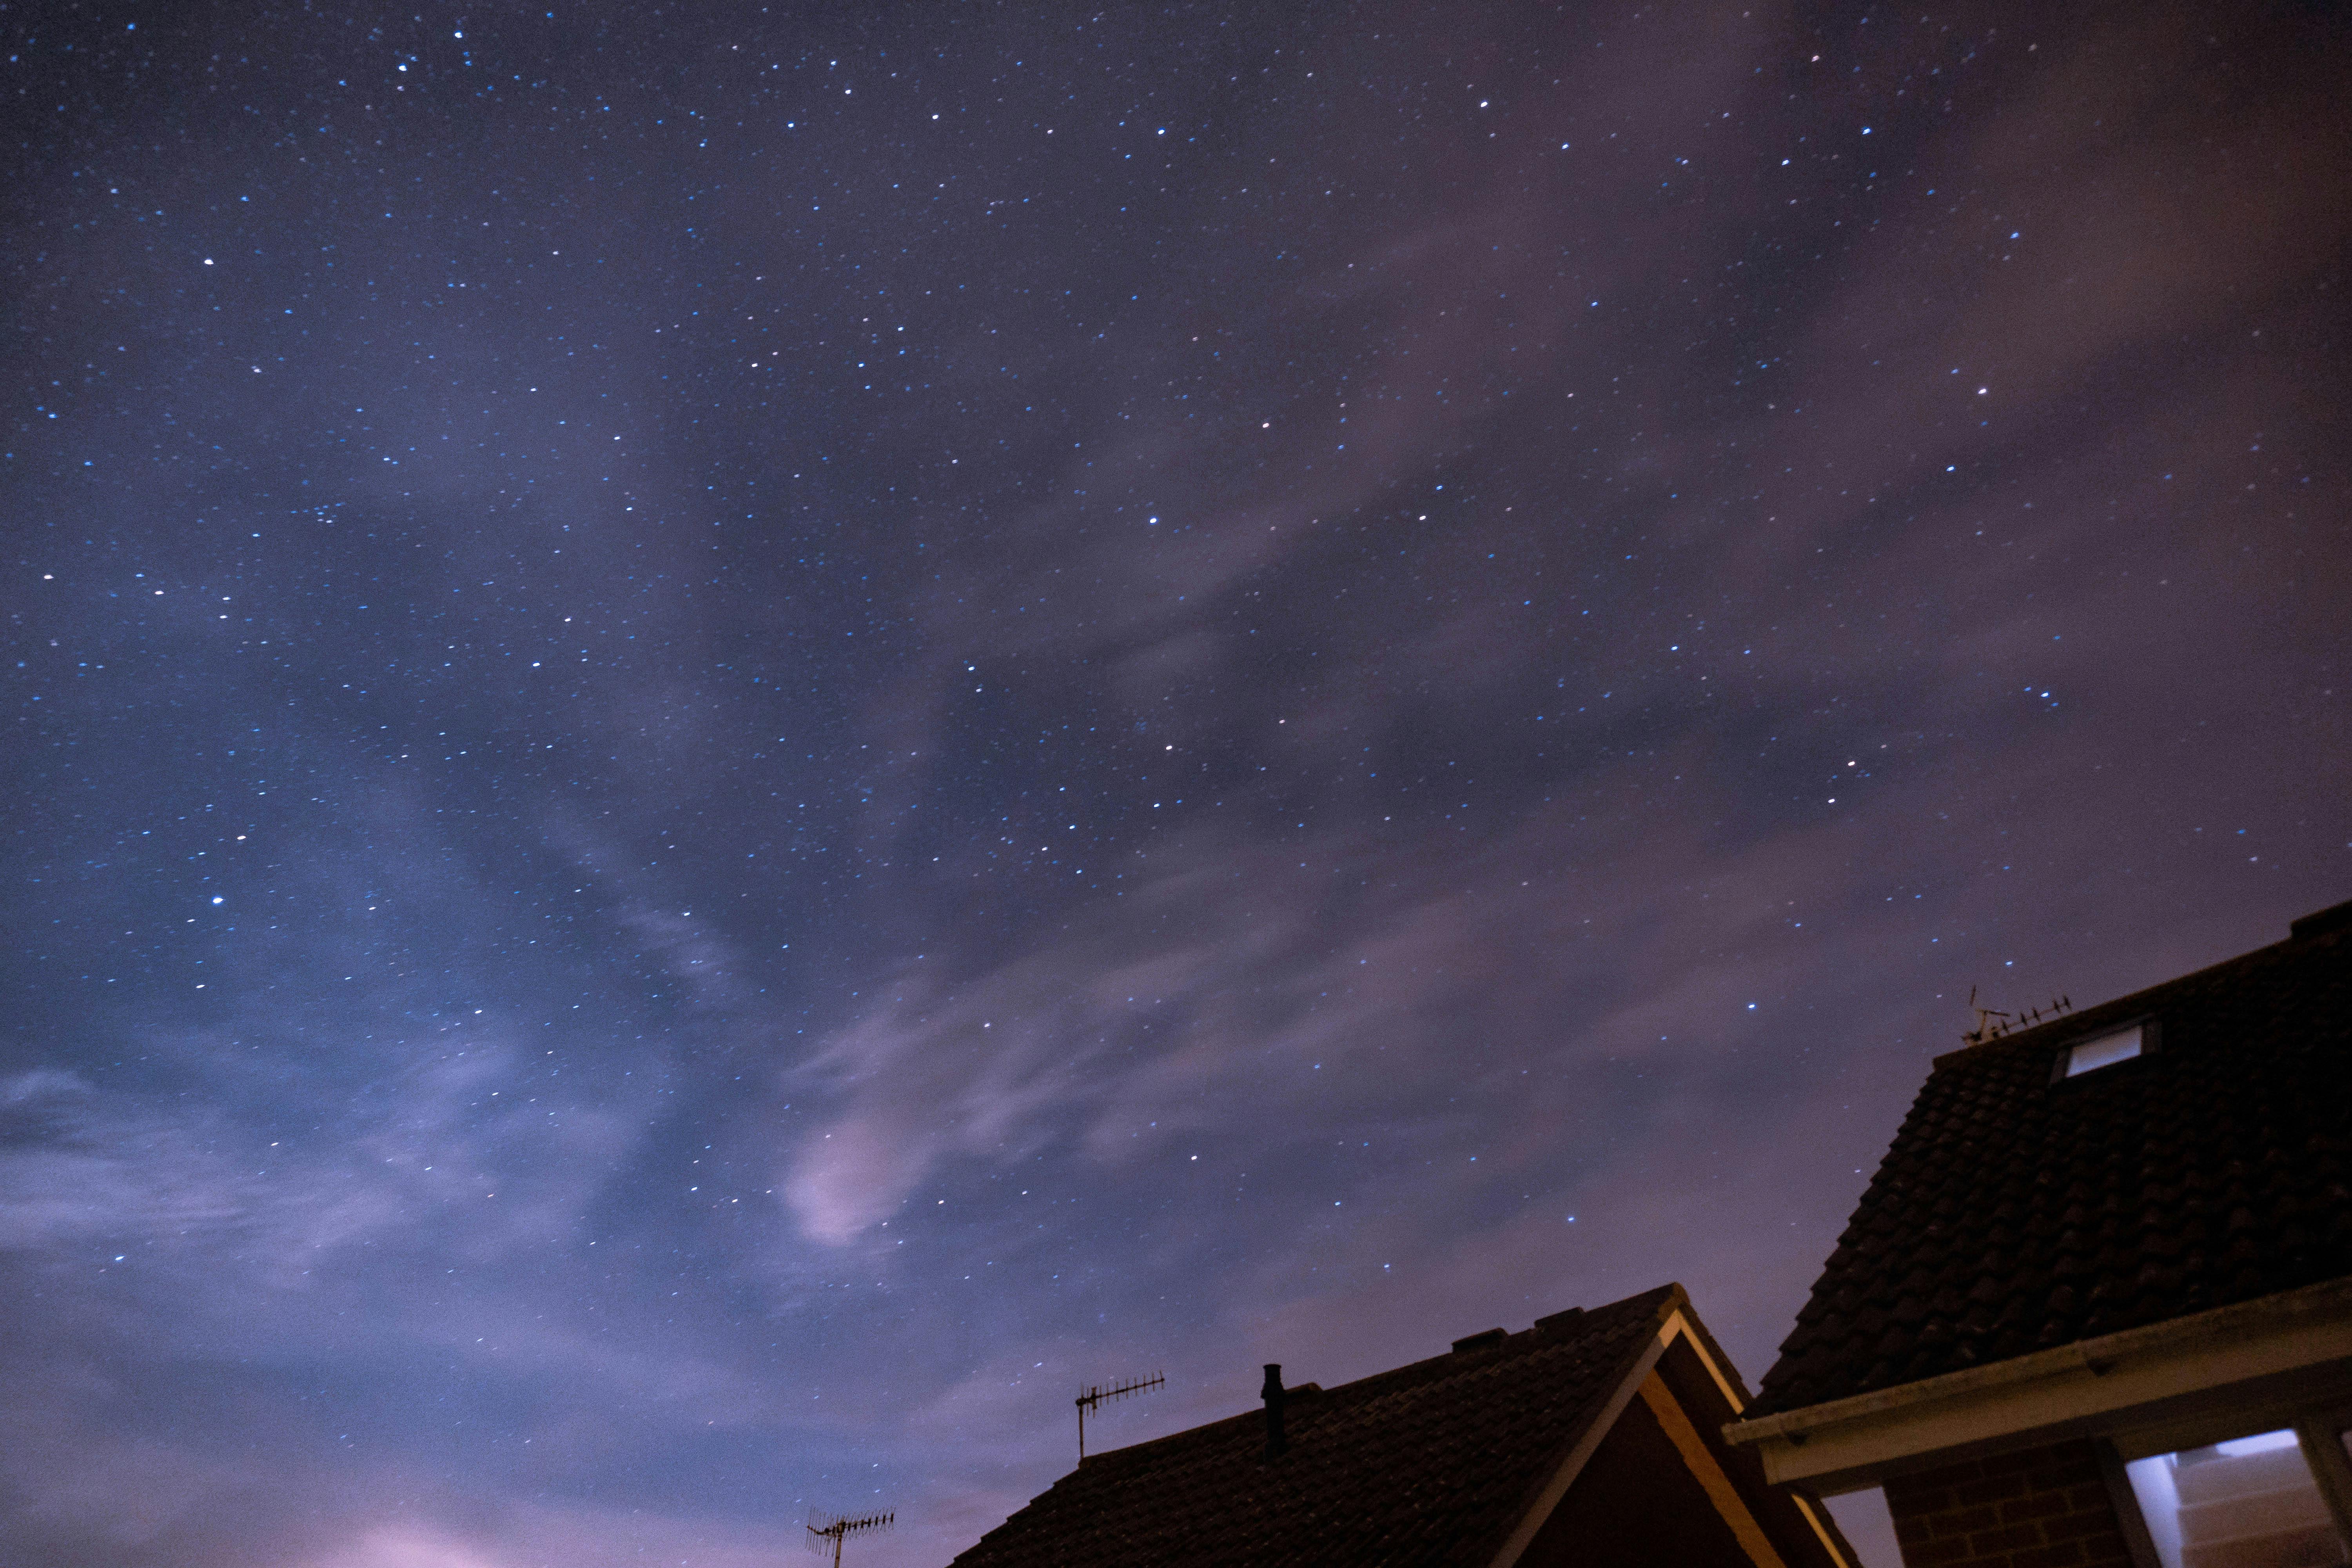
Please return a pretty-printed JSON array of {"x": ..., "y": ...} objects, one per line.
[
  {"x": 1663, "y": 1304},
  {"x": 2133, "y": 1002},
  {"x": 1588, "y": 1320},
  {"x": 1440, "y": 1459}
]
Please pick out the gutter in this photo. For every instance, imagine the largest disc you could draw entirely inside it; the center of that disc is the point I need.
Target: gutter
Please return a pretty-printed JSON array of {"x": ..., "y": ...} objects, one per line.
[{"x": 2272, "y": 1334}]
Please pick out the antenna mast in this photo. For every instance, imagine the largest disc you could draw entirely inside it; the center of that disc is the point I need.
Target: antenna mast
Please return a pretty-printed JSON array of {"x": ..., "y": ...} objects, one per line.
[
  {"x": 825, "y": 1527},
  {"x": 1092, "y": 1397},
  {"x": 1987, "y": 1028},
  {"x": 1992, "y": 1025}
]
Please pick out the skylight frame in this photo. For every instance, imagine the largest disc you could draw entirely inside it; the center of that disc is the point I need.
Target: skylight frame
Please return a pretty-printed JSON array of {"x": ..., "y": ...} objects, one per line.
[{"x": 2062, "y": 1064}]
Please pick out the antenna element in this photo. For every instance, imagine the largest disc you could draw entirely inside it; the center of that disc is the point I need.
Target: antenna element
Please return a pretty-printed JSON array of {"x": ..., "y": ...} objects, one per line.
[
  {"x": 1992, "y": 1025},
  {"x": 1092, "y": 1397},
  {"x": 836, "y": 1527}
]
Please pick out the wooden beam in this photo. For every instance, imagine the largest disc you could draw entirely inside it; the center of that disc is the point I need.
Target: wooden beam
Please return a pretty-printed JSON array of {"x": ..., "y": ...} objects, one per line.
[{"x": 1710, "y": 1474}]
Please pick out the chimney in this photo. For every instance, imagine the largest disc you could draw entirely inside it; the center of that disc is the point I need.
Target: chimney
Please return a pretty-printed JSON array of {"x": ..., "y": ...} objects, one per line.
[{"x": 1277, "y": 1444}]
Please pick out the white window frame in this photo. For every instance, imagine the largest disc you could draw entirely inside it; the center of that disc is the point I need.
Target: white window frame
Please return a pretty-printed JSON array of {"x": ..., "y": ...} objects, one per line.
[
  {"x": 2319, "y": 1434},
  {"x": 2151, "y": 1042}
]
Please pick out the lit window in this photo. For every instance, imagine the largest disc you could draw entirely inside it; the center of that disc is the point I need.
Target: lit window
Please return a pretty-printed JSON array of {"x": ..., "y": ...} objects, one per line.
[
  {"x": 2246, "y": 1503},
  {"x": 2104, "y": 1050}
]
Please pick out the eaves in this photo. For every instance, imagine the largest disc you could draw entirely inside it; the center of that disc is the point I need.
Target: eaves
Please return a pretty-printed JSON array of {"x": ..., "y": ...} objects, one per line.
[{"x": 2276, "y": 1348}]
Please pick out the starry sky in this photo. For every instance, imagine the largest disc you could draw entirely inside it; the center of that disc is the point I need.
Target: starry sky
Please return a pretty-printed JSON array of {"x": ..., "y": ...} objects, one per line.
[{"x": 745, "y": 736}]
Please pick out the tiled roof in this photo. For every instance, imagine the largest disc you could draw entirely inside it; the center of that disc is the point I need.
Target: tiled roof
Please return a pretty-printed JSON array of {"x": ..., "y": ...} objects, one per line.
[
  {"x": 1427, "y": 1465},
  {"x": 2019, "y": 1211}
]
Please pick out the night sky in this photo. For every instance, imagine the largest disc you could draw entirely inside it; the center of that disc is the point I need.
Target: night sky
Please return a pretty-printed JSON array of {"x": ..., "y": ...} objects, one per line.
[{"x": 743, "y": 737}]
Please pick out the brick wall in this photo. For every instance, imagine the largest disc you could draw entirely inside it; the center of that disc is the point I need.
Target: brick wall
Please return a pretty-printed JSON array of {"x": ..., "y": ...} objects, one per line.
[{"x": 2042, "y": 1508}]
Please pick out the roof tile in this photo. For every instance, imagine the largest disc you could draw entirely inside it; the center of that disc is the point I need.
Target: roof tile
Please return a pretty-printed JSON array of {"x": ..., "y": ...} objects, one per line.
[
  {"x": 1428, "y": 1464},
  {"x": 2017, "y": 1210}
]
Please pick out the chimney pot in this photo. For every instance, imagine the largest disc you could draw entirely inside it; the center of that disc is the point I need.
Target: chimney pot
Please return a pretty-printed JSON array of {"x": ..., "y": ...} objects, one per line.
[{"x": 1277, "y": 1443}]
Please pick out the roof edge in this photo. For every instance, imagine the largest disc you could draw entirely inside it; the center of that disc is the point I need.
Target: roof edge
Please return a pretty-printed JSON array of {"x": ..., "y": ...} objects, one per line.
[
  {"x": 1673, "y": 1318},
  {"x": 1556, "y": 1475},
  {"x": 2327, "y": 1298},
  {"x": 1711, "y": 1355},
  {"x": 2306, "y": 928},
  {"x": 1670, "y": 1295},
  {"x": 2335, "y": 917}
]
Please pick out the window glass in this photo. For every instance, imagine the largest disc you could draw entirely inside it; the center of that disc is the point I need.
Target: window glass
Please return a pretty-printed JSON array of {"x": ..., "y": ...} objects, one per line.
[
  {"x": 2249, "y": 1502},
  {"x": 2104, "y": 1050}
]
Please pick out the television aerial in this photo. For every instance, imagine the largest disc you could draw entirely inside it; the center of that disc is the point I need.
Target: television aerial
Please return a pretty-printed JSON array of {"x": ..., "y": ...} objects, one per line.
[
  {"x": 1092, "y": 1397},
  {"x": 835, "y": 1529}
]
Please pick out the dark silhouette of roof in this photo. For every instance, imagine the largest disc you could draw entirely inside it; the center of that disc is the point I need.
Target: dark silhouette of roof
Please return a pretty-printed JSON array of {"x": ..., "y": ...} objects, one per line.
[
  {"x": 1431, "y": 1464},
  {"x": 2020, "y": 1210}
]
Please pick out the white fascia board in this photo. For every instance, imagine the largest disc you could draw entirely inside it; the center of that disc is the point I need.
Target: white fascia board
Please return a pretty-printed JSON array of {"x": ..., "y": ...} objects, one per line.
[
  {"x": 1677, "y": 1325},
  {"x": 1563, "y": 1476},
  {"x": 2092, "y": 1387}
]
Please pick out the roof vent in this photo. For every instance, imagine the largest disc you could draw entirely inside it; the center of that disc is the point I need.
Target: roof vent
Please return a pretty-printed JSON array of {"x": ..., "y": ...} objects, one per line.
[
  {"x": 1480, "y": 1341},
  {"x": 2322, "y": 921}
]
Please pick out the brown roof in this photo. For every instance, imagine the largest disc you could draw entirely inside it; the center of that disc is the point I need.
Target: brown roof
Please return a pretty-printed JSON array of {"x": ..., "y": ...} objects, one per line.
[
  {"x": 2019, "y": 1210},
  {"x": 1430, "y": 1464}
]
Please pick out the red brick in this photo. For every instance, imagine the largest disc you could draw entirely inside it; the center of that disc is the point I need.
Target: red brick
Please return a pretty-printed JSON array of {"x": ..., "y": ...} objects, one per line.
[
  {"x": 1927, "y": 1492},
  {"x": 1924, "y": 1500},
  {"x": 1911, "y": 1534},
  {"x": 2039, "y": 1508},
  {"x": 1935, "y": 1554},
  {"x": 2066, "y": 1470},
  {"x": 1916, "y": 1521},
  {"x": 1964, "y": 1521},
  {"x": 2076, "y": 1525},
  {"x": 2071, "y": 1459},
  {"x": 2106, "y": 1551},
  {"x": 1992, "y": 1489},
  {"x": 2035, "y": 1505},
  {"x": 1942, "y": 1476},
  {"x": 2008, "y": 1538}
]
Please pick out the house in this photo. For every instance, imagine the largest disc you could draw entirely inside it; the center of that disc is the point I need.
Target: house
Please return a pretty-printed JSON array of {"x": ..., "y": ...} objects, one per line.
[
  {"x": 1593, "y": 1437},
  {"x": 2096, "y": 1308}
]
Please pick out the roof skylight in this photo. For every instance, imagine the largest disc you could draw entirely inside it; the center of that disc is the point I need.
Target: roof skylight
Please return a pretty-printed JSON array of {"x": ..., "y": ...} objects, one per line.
[{"x": 2104, "y": 1050}]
